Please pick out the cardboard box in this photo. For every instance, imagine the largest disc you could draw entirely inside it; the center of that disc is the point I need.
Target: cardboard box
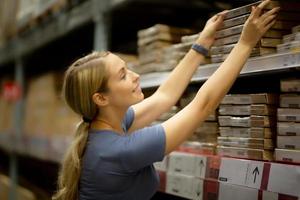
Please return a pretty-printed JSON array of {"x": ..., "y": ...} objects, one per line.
[
  {"x": 296, "y": 29},
  {"x": 287, "y": 155},
  {"x": 284, "y": 179},
  {"x": 290, "y": 100},
  {"x": 290, "y": 85},
  {"x": 252, "y": 132},
  {"x": 189, "y": 38},
  {"x": 235, "y": 21},
  {"x": 288, "y": 128},
  {"x": 184, "y": 186},
  {"x": 263, "y": 98},
  {"x": 252, "y": 121},
  {"x": 208, "y": 128},
  {"x": 162, "y": 165},
  {"x": 284, "y": 5},
  {"x": 247, "y": 153},
  {"x": 159, "y": 37},
  {"x": 288, "y": 114},
  {"x": 229, "y": 192},
  {"x": 271, "y": 33},
  {"x": 291, "y": 37},
  {"x": 254, "y": 109},
  {"x": 255, "y": 143},
  {"x": 293, "y": 46},
  {"x": 196, "y": 147},
  {"x": 162, "y": 28},
  {"x": 288, "y": 142},
  {"x": 187, "y": 164}
]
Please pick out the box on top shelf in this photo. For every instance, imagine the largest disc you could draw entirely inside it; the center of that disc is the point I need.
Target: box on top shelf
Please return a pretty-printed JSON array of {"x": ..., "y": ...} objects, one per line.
[
  {"x": 291, "y": 37},
  {"x": 284, "y": 5},
  {"x": 296, "y": 29},
  {"x": 251, "y": 132}
]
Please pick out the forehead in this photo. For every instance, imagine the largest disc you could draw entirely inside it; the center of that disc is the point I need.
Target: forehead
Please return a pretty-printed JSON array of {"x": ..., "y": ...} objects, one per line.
[{"x": 114, "y": 63}]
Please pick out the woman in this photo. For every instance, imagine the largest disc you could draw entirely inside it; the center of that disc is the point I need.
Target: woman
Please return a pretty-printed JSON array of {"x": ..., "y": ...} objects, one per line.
[{"x": 112, "y": 153}]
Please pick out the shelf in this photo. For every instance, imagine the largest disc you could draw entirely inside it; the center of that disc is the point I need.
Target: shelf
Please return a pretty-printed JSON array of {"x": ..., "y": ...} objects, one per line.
[{"x": 257, "y": 65}]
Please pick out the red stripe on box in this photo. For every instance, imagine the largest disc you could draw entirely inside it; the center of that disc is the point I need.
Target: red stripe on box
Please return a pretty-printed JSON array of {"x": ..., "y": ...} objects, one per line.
[
  {"x": 260, "y": 195},
  {"x": 265, "y": 177},
  {"x": 211, "y": 190}
]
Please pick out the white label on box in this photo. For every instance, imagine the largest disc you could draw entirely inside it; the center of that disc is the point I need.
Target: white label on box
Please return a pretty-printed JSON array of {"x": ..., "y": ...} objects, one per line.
[
  {"x": 197, "y": 189},
  {"x": 241, "y": 172},
  {"x": 284, "y": 179},
  {"x": 269, "y": 196},
  {"x": 230, "y": 192}
]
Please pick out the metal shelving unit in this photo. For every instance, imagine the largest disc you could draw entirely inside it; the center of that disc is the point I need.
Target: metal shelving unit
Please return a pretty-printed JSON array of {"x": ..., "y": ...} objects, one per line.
[{"x": 95, "y": 11}]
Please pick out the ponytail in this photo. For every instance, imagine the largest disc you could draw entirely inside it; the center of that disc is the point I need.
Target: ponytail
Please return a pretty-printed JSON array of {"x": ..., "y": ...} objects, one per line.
[{"x": 68, "y": 180}]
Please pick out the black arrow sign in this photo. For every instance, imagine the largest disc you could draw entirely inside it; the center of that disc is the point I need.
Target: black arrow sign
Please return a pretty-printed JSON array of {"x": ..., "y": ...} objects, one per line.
[{"x": 255, "y": 172}]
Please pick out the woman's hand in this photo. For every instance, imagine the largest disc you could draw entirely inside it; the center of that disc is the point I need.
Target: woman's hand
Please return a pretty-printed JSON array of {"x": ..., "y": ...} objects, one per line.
[
  {"x": 257, "y": 24},
  {"x": 207, "y": 36}
]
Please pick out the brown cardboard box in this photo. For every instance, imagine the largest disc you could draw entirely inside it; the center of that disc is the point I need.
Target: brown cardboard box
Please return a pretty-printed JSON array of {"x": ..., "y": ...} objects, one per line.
[
  {"x": 263, "y": 98},
  {"x": 248, "y": 153},
  {"x": 287, "y": 155},
  {"x": 290, "y": 100},
  {"x": 288, "y": 128},
  {"x": 252, "y": 121},
  {"x": 254, "y": 109},
  {"x": 288, "y": 114},
  {"x": 252, "y": 132},
  {"x": 255, "y": 143},
  {"x": 288, "y": 142},
  {"x": 290, "y": 85},
  {"x": 161, "y": 28}
]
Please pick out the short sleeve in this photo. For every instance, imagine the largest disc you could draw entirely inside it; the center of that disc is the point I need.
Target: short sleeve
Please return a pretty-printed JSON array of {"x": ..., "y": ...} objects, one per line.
[
  {"x": 143, "y": 147},
  {"x": 128, "y": 119}
]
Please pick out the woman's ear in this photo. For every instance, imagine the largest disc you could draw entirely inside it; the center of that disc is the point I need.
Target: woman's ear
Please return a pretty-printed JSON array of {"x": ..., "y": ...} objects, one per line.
[{"x": 100, "y": 99}]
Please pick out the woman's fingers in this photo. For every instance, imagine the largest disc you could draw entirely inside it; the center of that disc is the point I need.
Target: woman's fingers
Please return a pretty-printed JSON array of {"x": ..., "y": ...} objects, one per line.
[
  {"x": 257, "y": 11},
  {"x": 268, "y": 26},
  {"x": 268, "y": 20}
]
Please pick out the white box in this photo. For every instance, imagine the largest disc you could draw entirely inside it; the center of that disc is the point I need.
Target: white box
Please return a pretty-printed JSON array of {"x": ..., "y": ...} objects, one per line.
[
  {"x": 287, "y": 155},
  {"x": 288, "y": 128},
  {"x": 188, "y": 164},
  {"x": 288, "y": 142},
  {"x": 163, "y": 165},
  {"x": 284, "y": 179},
  {"x": 230, "y": 192},
  {"x": 288, "y": 114},
  {"x": 184, "y": 186}
]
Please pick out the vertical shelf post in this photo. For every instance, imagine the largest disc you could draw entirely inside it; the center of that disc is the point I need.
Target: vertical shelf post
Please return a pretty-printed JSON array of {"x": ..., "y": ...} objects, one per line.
[
  {"x": 102, "y": 25},
  {"x": 18, "y": 115}
]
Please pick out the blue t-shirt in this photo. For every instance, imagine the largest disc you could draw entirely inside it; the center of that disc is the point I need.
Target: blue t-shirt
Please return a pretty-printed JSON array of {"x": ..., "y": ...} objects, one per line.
[{"x": 121, "y": 166}]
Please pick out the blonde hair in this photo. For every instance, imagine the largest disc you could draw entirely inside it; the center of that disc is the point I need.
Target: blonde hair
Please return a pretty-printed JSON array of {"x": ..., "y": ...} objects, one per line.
[{"x": 83, "y": 78}]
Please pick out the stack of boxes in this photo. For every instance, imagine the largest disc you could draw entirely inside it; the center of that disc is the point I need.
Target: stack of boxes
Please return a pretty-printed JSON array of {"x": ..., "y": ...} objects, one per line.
[
  {"x": 152, "y": 41},
  {"x": 291, "y": 42},
  {"x": 288, "y": 126},
  {"x": 48, "y": 121},
  {"x": 247, "y": 123},
  {"x": 228, "y": 36},
  {"x": 204, "y": 139}
]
